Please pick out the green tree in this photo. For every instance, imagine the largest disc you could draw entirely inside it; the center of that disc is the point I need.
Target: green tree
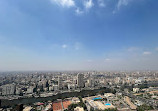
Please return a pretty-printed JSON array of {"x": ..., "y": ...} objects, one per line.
[{"x": 144, "y": 107}]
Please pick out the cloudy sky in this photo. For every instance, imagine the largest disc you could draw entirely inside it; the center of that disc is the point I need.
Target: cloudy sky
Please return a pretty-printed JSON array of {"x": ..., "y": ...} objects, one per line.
[{"x": 78, "y": 35}]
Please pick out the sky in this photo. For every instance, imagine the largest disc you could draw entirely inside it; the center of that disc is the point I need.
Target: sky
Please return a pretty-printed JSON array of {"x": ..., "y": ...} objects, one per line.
[{"x": 78, "y": 35}]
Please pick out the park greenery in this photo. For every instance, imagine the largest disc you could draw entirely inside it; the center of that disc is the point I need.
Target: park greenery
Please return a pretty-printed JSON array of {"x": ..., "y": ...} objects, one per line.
[{"x": 144, "y": 107}]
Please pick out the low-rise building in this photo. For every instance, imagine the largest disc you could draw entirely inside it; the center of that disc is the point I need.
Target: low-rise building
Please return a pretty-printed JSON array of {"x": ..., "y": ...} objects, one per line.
[
  {"x": 135, "y": 90},
  {"x": 79, "y": 109},
  {"x": 28, "y": 108}
]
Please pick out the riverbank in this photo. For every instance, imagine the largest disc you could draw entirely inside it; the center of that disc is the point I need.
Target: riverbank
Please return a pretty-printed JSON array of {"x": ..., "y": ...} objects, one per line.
[{"x": 31, "y": 100}]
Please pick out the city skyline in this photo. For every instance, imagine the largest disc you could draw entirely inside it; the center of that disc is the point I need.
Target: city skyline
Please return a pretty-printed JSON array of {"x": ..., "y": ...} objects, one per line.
[{"x": 78, "y": 35}]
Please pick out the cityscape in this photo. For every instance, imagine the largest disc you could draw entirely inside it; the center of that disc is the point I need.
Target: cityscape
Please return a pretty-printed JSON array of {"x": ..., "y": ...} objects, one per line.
[
  {"x": 78, "y": 55},
  {"x": 79, "y": 91}
]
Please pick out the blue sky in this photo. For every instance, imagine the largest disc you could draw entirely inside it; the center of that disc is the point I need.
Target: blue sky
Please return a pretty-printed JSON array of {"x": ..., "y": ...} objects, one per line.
[{"x": 78, "y": 35}]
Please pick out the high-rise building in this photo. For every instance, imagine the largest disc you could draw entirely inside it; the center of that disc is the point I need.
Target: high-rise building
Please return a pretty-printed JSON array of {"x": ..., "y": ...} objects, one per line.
[
  {"x": 0, "y": 103},
  {"x": 89, "y": 81},
  {"x": 8, "y": 89},
  {"x": 80, "y": 81},
  {"x": 60, "y": 82}
]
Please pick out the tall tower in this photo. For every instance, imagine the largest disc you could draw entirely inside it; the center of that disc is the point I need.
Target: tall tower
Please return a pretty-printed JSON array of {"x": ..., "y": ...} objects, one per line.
[
  {"x": 80, "y": 82},
  {"x": 0, "y": 103},
  {"x": 59, "y": 82}
]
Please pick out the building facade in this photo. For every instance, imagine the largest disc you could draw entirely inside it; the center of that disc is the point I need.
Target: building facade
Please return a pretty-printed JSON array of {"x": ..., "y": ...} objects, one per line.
[
  {"x": 8, "y": 89},
  {"x": 80, "y": 81}
]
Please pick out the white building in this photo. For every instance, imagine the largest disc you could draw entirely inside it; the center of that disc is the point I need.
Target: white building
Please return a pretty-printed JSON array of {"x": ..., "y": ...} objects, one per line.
[
  {"x": 79, "y": 109},
  {"x": 109, "y": 95},
  {"x": 18, "y": 90},
  {"x": 71, "y": 86},
  {"x": 8, "y": 89},
  {"x": 50, "y": 88},
  {"x": 135, "y": 90},
  {"x": 30, "y": 90}
]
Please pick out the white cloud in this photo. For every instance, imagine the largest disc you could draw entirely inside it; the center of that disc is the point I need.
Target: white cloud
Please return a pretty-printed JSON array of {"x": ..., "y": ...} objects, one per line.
[
  {"x": 88, "y": 4},
  {"x": 64, "y": 46},
  {"x": 101, "y": 3},
  {"x": 146, "y": 53},
  {"x": 122, "y": 3},
  {"x": 78, "y": 11},
  {"x": 64, "y": 3},
  {"x": 107, "y": 59}
]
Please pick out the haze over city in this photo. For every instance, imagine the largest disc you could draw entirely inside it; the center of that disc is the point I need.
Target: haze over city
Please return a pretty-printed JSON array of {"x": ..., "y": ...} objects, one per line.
[{"x": 78, "y": 35}]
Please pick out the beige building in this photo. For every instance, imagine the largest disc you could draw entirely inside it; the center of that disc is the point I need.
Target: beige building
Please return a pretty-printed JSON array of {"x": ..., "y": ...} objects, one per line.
[
  {"x": 135, "y": 90},
  {"x": 79, "y": 109},
  {"x": 28, "y": 108}
]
